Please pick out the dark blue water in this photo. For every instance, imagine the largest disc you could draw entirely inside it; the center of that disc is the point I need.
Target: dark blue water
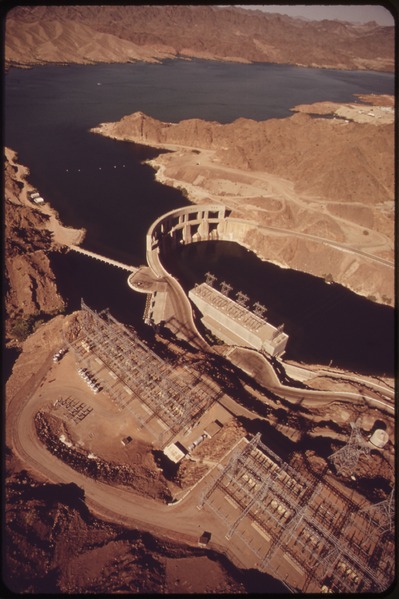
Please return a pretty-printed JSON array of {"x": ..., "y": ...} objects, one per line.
[
  {"x": 325, "y": 323},
  {"x": 180, "y": 89},
  {"x": 49, "y": 111},
  {"x": 102, "y": 185}
]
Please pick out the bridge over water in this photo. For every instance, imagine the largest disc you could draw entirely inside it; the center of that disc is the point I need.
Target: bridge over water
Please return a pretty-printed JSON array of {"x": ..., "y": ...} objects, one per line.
[{"x": 128, "y": 267}]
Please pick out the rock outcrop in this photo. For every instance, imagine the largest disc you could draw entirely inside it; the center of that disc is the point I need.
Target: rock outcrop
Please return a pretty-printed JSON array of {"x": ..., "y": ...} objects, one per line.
[
  {"x": 88, "y": 34},
  {"x": 327, "y": 171},
  {"x": 31, "y": 233},
  {"x": 337, "y": 160}
]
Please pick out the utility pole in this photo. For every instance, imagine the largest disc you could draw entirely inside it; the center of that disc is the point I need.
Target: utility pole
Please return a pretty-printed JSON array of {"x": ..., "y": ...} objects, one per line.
[
  {"x": 225, "y": 288},
  {"x": 259, "y": 309},
  {"x": 242, "y": 298},
  {"x": 210, "y": 279}
]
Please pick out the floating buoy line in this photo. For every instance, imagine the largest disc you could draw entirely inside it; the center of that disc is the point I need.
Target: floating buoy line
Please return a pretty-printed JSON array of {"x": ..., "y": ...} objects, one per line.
[{"x": 78, "y": 170}]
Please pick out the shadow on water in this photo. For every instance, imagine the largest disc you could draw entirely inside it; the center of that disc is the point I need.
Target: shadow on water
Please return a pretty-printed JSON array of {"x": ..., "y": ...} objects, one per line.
[
  {"x": 102, "y": 184},
  {"x": 100, "y": 285},
  {"x": 324, "y": 322}
]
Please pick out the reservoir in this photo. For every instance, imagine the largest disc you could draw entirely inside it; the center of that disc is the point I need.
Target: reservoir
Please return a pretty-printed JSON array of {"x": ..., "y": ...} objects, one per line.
[
  {"x": 102, "y": 185},
  {"x": 325, "y": 323}
]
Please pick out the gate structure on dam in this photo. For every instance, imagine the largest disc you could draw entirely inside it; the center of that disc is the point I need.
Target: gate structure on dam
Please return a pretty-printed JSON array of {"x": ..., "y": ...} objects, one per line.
[
  {"x": 187, "y": 225},
  {"x": 184, "y": 226},
  {"x": 228, "y": 320}
]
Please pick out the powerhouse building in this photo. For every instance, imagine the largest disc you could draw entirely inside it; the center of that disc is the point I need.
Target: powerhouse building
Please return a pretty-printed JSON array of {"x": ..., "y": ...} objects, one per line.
[{"x": 234, "y": 324}]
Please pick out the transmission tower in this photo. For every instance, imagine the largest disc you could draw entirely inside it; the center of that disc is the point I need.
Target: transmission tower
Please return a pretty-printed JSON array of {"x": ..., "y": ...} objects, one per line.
[
  {"x": 346, "y": 459},
  {"x": 259, "y": 309},
  {"x": 210, "y": 279},
  {"x": 237, "y": 462},
  {"x": 225, "y": 288},
  {"x": 329, "y": 560},
  {"x": 242, "y": 298},
  {"x": 303, "y": 513},
  {"x": 383, "y": 513},
  {"x": 257, "y": 499}
]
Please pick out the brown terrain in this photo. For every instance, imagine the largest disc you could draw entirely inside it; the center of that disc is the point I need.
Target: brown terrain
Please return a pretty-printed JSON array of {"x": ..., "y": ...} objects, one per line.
[
  {"x": 328, "y": 178},
  {"x": 48, "y": 524},
  {"x": 332, "y": 178},
  {"x": 30, "y": 233},
  {"x": 88, "y": 34},
  {"x": 55, "y": 543}
]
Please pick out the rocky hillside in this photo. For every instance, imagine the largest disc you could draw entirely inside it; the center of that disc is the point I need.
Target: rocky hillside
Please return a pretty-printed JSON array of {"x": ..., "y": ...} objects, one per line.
[
  {"x": 30, "y": 285},
  {"x": 88, "y": 34},
  {"x": 54, "y": 545},
  {"x": 326, "y": 171},
  {"x": 340, "y": 161}
]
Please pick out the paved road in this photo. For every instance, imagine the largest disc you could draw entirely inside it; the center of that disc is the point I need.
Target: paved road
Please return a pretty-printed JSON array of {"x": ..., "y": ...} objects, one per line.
[
  {"x": 283, "y": 189},
  {"x": 340, "y": 246},
  {"x": 254, "y": 363},
  {"x": 183, "y": 522}
]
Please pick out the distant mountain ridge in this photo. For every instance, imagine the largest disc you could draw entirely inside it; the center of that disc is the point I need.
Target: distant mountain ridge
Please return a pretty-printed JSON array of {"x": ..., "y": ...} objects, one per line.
[{"x": 90, "y": 34}]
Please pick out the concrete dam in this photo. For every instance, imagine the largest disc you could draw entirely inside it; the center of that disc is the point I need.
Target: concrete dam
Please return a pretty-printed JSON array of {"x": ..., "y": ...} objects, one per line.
[{"x": 230, "y": 321}]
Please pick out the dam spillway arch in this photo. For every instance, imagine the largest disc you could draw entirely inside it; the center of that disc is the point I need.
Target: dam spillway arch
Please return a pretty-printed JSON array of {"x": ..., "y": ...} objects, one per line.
[
  {"x": 183, "y": 226},
  {"x": 214, "y": 222},
  {"x": 210, "y": 222},
  {"x": 192, "y": 224},
  {"x": 186, "y": 225}
]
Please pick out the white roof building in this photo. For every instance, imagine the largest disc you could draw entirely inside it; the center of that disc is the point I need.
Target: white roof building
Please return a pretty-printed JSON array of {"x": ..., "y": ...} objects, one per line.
[
  {"x": 174, "y": 453},
  {"x": 236, "y": 325}
]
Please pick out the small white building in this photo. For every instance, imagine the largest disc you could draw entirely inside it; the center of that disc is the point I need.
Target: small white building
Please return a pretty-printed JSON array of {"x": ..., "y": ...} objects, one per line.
[
  {"x": 36, "y": 197},
  {"x": 174, "y": 452}
]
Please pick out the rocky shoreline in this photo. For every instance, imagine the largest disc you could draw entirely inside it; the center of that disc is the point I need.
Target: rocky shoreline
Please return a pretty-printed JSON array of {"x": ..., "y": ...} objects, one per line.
[
  {"x": 54, "y": 543},
  {"x": 341, "y": 223},
  {"x": 31, "y": 233}
]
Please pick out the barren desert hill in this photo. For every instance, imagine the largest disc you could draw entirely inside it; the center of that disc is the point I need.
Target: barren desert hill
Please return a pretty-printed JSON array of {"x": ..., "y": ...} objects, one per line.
[
  {"x": 88, "y": 34},
  {"x": 327, "y": 172},
  {"x": 57, "y": 546},
  {"x": 333, "y": 158}
]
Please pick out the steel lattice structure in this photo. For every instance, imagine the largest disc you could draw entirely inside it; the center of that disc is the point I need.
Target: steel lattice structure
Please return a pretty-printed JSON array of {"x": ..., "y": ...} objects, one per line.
[
  {"x": 346, "y": 459},
  {"x": 176, "y": 400},
  {"x": 301, "y": 520}
]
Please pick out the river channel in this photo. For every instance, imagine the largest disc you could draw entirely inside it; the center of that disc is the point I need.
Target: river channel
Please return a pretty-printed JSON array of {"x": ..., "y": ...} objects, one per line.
[{"x": 102, "y": 185}]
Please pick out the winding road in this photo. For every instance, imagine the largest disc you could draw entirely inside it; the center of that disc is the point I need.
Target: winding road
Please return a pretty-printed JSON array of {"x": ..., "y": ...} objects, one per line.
[{"x": 181, "y": 521}]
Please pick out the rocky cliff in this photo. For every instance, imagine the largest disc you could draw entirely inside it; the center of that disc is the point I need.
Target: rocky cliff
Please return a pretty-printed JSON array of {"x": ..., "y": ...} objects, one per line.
[
  {"x": 338, "y": 160},
  {"x": 326, "y": 171},
  {"x": 31, "y": 232},
  {"x": 88, "y": 34},
  {"x": 55, "y": 545}
]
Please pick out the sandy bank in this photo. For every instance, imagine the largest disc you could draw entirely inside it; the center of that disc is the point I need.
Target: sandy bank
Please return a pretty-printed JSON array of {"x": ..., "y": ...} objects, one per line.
[{"x": 64, "y": 236}]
